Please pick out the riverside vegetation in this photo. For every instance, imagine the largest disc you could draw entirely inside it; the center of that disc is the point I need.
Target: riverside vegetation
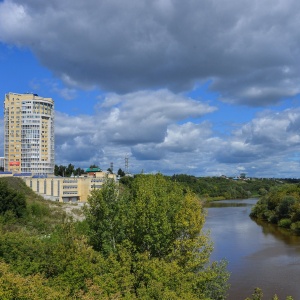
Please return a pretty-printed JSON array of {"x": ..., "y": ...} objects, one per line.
[
  {"x": 142, "y": 240},
  {"x": 221, "y": 188},
  {"x": 281, "y": 206}
]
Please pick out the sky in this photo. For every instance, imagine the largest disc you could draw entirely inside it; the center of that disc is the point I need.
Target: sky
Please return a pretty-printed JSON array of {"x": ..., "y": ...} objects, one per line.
[{"x": 198, "y": 87}]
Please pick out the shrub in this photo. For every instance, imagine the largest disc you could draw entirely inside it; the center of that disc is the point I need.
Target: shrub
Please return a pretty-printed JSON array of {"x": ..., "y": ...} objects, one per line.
[
  {"x": 296, "y": 227},
  {"x": 285, "y": 223},
  {"x": 11, "y": 200},
  {"x": 285, "y": 207}
]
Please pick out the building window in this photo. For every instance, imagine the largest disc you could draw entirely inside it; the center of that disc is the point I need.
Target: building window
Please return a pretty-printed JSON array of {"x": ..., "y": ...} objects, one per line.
[
  {"x": 70, "y": 193},
  {"x": 70, "y": 181},
  {"x": 69, "y": 187},
  {"x": 96, "y": 186}
]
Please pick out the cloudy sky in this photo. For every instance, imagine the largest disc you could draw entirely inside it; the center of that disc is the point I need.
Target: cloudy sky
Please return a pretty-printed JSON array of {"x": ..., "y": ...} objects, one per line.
[{"x": 200, "y": 87}]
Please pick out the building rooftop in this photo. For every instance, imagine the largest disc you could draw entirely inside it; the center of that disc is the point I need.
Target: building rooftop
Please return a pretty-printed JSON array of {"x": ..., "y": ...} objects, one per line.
[{"x": 89, "y": 170}]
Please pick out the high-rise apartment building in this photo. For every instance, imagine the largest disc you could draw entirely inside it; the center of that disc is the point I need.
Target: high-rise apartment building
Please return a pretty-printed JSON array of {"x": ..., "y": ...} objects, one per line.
[{"x": 28, "y": 134}]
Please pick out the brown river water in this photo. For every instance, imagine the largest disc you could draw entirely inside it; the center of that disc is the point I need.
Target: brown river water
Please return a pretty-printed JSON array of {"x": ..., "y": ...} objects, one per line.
[{"x": 259, "y": 255}]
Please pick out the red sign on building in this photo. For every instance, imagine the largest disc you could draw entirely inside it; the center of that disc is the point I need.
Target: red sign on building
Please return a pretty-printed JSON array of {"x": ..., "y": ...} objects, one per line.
[{"x": 14, "y": 163}]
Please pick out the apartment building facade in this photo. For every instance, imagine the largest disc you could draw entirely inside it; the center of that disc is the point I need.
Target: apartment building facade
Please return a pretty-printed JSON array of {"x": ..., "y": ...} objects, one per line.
[{"x": 28, "y": 134}]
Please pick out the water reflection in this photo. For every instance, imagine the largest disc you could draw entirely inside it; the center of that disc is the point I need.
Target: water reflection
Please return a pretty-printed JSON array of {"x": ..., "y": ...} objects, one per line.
[
  {"x": 259, "y": 254},
  {"x": 279, "y": 233},
  {"x": 225, "y": 204}
]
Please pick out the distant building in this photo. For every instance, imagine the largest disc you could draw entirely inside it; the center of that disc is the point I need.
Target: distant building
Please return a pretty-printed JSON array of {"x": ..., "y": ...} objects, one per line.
[
  {"x": 67, "y": 189},
  {"x": 28, "y": 134}
]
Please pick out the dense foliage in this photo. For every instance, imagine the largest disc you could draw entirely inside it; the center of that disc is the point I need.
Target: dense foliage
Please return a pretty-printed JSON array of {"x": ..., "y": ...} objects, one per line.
[
  {"x": 11, "y": 201},
  {"x": 215, "y": 188},
  {"x": 280, "y": 206},
  {"x": 138, "y": 243},
  {"x": 67, "y": 171},
  {"x": 157, "y": 226}
]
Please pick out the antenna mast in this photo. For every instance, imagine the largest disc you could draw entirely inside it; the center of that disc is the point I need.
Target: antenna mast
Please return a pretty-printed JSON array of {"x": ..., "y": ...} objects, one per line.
[{"x": 126, "y": 164}]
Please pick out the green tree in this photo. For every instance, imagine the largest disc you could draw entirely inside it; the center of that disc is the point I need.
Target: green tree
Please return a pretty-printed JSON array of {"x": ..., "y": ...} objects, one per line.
[
  {"x": 156, "y": 225},
  {"x": 78, "y": 172},
  {"x": 258, "y": 295},
  {"x": 67, "y": 171},
  {"x": 284, "y": 208},
  {"x": 121, "y": 173},
  {"x": 70, "y": 170},
  {"x": 127, "y": 181},
  {"x": 60, "y": 170},
  {"x": 94, "y": 166},
  {"x": 11, "y": 200},
  {"x": 102, "y": 217},
  {"x": 33, "y": 287},
  {"x": 56, "y": 170}
]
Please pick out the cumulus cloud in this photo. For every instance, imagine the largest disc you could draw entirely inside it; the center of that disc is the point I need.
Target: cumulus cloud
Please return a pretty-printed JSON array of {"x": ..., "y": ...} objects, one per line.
[
  {"x": 144, "y": 57},
  {"x": 159, "y": 139},
  {"x": 124, "y": 124},
  {"x": 269, "y": 143},
  {"x": 249, "y": 50},
  {"x": 144, "y": 117}
]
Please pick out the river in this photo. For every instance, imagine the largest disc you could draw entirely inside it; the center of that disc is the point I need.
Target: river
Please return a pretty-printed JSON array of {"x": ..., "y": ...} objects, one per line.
[{"x": 258, "y": 254}]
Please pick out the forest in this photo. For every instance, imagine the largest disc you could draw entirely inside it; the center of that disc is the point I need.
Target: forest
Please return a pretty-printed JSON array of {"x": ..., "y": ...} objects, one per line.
[{"x": 220, "y": 188}]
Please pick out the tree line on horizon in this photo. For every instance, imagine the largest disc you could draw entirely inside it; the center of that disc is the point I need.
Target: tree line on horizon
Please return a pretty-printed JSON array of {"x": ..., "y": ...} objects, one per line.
[{"x": 220, "y": 188}]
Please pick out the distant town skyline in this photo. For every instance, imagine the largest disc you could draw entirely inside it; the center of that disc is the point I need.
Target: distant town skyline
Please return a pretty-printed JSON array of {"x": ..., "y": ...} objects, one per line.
[{"x": 200, "y": 88}]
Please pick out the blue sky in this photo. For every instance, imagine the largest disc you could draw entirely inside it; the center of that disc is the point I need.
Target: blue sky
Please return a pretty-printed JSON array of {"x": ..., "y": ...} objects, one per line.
[{"x": 192, "y": 87}]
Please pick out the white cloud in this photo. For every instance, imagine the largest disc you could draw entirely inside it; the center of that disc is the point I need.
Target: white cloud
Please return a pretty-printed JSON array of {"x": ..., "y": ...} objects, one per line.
[
  {"x": 267, "y": 146},
  {"x": 248, "y": 49},
  {"x": 126, "y": 124},
  {"x": 145, "y": 116},
  {"x": 143, "y": 56}
]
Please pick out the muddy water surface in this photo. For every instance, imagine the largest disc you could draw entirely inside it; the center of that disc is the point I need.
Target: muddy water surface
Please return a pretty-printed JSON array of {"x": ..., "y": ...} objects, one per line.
[{"x": 258, "y": 254}]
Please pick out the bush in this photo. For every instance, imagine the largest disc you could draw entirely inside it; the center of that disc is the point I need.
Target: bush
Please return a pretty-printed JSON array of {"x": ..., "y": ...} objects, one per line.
[
  {"x": 296, "y": 227},
  {"x": 285, "y": 223},
  {"x": 11, "y": 200},
  {"x": 285, "y": 207}
]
